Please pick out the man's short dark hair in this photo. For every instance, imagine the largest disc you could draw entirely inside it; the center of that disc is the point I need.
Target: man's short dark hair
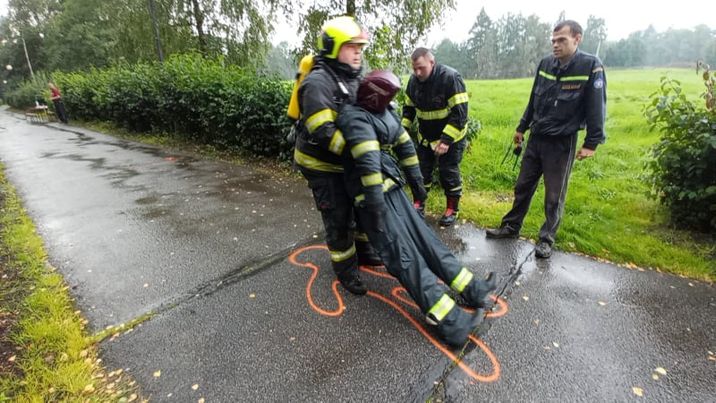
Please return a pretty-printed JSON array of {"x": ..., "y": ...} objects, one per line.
[
  {"x": 574, "y": 27},
  {"x": 420, "y": 52}
]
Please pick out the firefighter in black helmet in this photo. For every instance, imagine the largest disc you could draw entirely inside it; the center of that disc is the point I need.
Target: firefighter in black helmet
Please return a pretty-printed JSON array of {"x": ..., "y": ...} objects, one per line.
[
  {"x": 332, "y": 84},
  {"x": 376, "y": 153},
  {"x": 436, "y": 95}
]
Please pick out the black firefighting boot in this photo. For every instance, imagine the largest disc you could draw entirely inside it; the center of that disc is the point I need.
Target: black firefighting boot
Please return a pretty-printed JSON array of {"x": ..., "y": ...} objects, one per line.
[
  {"x": 350, "y": 280},
  {"x": 476, "y": 294},
  {"x": 457, "y": 325},
  {"x": 367, "y": 255},
  {"x": 451, "y": 211}
]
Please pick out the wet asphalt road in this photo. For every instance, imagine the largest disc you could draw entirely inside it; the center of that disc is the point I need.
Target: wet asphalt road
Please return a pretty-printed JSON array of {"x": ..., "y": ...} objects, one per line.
[{"x": 224, "y": 256}]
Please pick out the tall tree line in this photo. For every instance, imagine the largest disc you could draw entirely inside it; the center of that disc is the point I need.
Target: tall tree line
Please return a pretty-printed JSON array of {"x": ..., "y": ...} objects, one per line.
[
  {"x": 512, "y": 45},
  {"x": 79, "y": 34}
]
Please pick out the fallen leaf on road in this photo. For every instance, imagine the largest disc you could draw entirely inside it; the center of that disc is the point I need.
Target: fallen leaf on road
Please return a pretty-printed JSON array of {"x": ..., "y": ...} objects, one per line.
[
  {"x": 157, "y": 374},
  {"x": 12, "y": 359},
  {"x": 638, "y": 391},
  {"x": 201, "y": 400},
  {"x": 660, "y": 371},
  {"x": 655, "y": 377},
  {"x": 712, "y": 358},
  {"x": 146, "y": 285},
  {"x": 555, "y": 344},
  {"x": 691, "y": 284},
  {"x": 195, "y": 386},
  {"x": 252, "y": 295},
  {"x": 602, "y": 303},
  {"x": 526, "y": 298}
]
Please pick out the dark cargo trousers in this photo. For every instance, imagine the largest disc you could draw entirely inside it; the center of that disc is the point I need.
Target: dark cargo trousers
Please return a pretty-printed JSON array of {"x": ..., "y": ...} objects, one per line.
[
  {"x": 551, "y": 157},
  {"x": 448, "y": 167},
  {"x": 337, "y": 212},
  {"x": 414, "y": 255}
]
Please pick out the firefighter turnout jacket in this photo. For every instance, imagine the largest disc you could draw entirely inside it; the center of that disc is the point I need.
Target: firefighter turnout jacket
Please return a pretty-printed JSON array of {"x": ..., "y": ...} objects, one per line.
[
  {"x": 323, "y": 93},
  {"x": 440, "y": 104},
  {"x": 566, "y": 98},
  {"x": 378, "y": 148}
]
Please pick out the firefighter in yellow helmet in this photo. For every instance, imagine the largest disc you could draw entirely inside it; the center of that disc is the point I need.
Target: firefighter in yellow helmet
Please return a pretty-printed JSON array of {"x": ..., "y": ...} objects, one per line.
[{"x": 331, "y": 84}]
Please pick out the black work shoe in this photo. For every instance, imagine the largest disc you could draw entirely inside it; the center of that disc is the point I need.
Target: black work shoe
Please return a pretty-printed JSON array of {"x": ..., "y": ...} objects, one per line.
[
  {"x": 458, "y": 325},
  {"x": 543, "y": 250},
  {"x": 351, "y": 281},
  {"x": 502, "y": 232},
  {"x": 476, "y": 294},
  {"x": 448, "y": 218}
]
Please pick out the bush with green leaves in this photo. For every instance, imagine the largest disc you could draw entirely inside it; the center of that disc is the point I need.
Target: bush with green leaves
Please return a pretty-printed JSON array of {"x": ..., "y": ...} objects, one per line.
[
  {"x": 683, "y": 168},
  {"x": 29, "y": 91},
  {"x": 203, "y": 100}
]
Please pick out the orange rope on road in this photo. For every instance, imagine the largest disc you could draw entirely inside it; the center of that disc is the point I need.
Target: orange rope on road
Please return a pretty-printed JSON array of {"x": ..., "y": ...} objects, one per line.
[{"x": 396, "y": 294}]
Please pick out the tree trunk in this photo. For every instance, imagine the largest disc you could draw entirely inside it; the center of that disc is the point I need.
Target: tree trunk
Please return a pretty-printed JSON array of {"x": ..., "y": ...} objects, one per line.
[
  {"x": 351, "y": 7},
  {"x": 199, "y": 21}
]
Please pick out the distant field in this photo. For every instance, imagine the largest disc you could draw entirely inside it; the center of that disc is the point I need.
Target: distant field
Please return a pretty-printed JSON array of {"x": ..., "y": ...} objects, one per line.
[{"x": 608, "y": 212}]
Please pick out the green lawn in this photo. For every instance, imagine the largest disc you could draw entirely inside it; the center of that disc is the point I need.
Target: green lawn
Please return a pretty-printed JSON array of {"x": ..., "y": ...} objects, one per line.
[{"x": 608, "y": 213}]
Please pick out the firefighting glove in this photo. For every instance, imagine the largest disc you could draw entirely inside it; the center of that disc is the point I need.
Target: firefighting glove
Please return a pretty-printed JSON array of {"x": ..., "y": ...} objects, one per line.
[{"x": 375, "y": 217}]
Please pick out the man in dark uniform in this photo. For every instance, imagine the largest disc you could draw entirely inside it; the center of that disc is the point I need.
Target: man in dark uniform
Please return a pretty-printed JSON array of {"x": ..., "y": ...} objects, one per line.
[
  {"x": 436, "y": 95},
  {"x": 569, "y": 91},
  {"x": 377, "y": 150},
  {"x": 332, "y": 84}
]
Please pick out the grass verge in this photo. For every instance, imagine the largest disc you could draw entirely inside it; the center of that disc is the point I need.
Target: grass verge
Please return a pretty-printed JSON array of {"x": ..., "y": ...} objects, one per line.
[{"x": 45, "y": 352}]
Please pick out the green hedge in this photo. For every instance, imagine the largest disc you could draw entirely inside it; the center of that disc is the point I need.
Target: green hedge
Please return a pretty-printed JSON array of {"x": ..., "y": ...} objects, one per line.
[
  {"x": 203, "y": 100},
  {"x": 29, "y": 91}
]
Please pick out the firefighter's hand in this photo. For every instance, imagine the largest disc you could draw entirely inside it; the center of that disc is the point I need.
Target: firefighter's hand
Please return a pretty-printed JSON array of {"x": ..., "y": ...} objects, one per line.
[
  {"x": 441, "y": 148},
  {"x": 518, "y": 137},
  {"x": 584, "y": 153},
  {"x": 375, "y": 219}
]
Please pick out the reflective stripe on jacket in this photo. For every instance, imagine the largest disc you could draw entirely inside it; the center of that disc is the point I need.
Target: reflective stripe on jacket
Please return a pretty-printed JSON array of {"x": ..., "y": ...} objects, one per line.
[
  {"x": 566, "y": 98},
  {"x": 439, "y": 103},
  {"x": 377, "y": 148}
]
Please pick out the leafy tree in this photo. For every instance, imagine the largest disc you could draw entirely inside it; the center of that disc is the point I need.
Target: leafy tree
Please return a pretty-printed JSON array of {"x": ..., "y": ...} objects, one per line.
[
  {"x": 482, "y": 46},
  {"x": 453, "y": 55},
  {"x": 280, "y": 62},
  {"x": 396, "y": 25},
  {"x": 80, "y": 36},
  {"x": 535, "y": 43},
  {"x": 595, "y": 35}
]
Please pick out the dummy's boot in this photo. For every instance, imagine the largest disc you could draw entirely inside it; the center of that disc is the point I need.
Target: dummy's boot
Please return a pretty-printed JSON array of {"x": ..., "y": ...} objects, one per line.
[
  {"x": 367, "y": 255},
  {"x": 476, "y": 294},
  {"x": 457, "y": 325},
  {"x": 350, "y": 280},
  {"x": 451, "y": 211}
]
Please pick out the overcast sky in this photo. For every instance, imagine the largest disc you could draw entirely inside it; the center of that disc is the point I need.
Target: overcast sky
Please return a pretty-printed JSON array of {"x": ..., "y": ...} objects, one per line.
[{"x": 622, "y": 16}]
